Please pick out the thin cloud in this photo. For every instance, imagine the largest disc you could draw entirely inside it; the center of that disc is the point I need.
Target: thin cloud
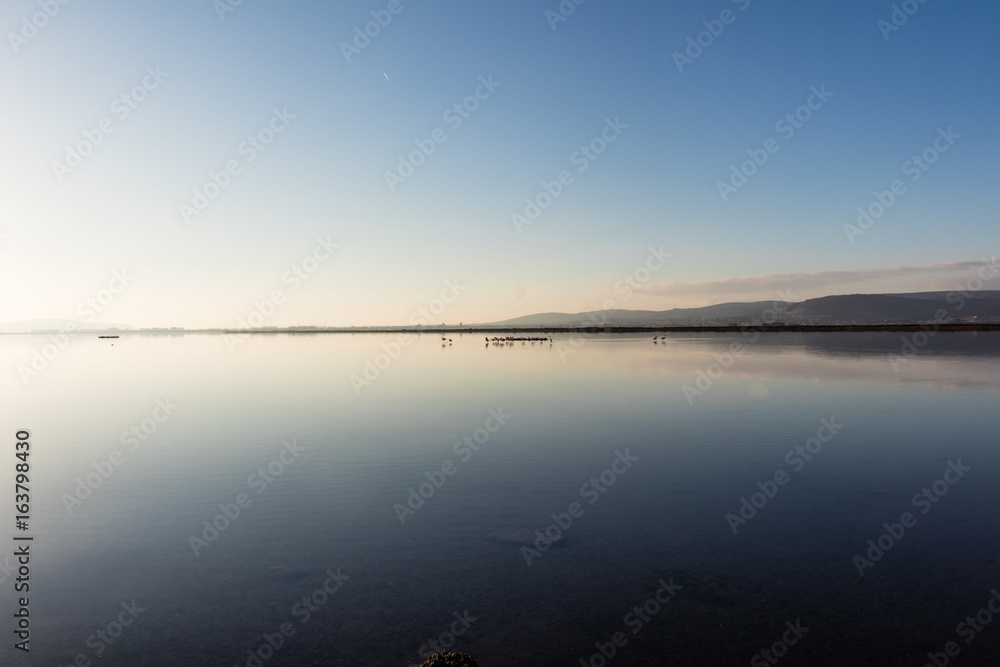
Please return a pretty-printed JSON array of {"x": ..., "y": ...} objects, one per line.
[{"x": 930, "y": 277}]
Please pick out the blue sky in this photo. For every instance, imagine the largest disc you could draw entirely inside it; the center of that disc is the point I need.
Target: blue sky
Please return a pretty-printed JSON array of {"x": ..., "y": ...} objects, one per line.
[{"x": 223, "y": 75}]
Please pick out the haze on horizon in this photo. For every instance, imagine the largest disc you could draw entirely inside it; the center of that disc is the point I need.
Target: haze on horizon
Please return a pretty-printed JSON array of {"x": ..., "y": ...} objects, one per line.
[{"x": 199, "y": 158}]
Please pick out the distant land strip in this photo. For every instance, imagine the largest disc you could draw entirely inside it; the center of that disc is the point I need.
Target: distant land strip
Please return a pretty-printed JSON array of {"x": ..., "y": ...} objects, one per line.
[
  {"x": 486, "y": 329},
  {"x": 964, "y": 326}
]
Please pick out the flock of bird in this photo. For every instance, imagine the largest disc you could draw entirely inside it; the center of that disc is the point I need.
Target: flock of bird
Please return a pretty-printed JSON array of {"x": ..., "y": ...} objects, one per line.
[
  {"x": 504, "y": 340},
  {"x": 522, "y": 339},
  {"x": 509, "y": 341}
]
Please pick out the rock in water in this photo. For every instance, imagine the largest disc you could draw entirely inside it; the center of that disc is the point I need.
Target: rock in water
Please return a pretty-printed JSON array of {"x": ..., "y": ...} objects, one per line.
[{"x": 450, "y": 660}]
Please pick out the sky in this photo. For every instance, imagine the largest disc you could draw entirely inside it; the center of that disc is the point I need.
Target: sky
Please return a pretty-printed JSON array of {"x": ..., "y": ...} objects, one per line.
[{"x": 360, "y": 162}]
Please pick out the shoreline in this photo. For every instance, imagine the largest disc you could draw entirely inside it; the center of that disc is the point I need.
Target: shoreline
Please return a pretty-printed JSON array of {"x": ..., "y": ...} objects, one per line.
[{"x": 487, "y": 329}]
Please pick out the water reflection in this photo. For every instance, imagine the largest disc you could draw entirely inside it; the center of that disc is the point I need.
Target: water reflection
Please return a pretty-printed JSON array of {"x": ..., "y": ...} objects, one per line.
[{"x": 477, "y": 441}]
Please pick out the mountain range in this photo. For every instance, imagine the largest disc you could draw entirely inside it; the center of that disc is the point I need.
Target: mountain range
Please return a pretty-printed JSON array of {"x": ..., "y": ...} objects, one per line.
[
  {"x": 27, "y": 326},
  {"x": 911, "y": 308},
  {"x": 846, "y": 309}
]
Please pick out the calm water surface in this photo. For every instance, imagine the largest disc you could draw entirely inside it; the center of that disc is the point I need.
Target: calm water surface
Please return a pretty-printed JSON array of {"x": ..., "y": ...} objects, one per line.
[{"x": 393, "y": 487}]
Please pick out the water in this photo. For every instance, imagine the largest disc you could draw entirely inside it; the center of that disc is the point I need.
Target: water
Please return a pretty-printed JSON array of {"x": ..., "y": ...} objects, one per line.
[{"x": 335, "y": 508}]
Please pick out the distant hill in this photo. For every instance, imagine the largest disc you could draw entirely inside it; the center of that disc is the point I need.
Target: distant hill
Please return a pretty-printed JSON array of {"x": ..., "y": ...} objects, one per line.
[
  {"x": 844, "y": 309},
  {"x": 27, "y": 326},
  {"x": 911, "y": 308}
]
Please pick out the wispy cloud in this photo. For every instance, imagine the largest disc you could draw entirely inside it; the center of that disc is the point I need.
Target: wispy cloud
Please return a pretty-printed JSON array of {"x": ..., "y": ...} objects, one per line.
[{"x": 930, "y": 277}]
